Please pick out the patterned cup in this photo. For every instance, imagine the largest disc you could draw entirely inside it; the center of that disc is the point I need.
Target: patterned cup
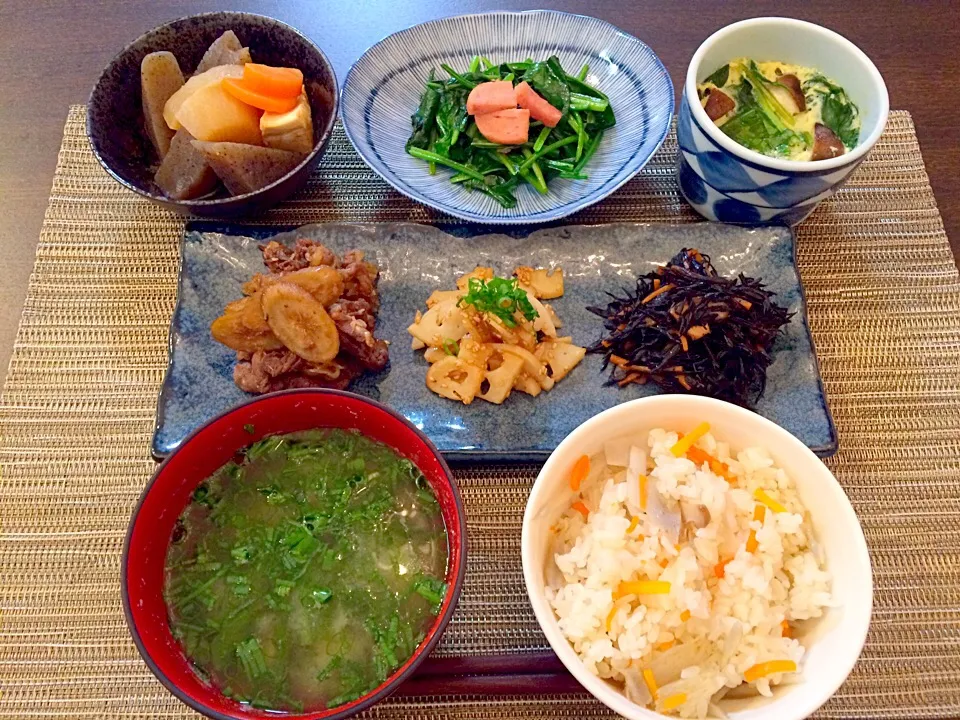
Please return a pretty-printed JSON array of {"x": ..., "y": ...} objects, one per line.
[{"x": 727, "y": 182}]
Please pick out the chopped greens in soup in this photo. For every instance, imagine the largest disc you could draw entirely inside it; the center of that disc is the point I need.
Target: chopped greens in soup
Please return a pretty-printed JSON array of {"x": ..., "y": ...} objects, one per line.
[{"x": 304, "y": 574}]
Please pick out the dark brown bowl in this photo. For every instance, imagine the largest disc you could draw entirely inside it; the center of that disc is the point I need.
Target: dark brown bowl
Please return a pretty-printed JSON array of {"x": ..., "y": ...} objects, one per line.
[{"x": 115, "y": 123}]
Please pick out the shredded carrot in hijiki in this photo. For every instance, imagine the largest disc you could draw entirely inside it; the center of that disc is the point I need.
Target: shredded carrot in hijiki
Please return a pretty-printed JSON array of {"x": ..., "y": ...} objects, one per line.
[
  {"x": 610, "y": 615},
  {"x": 785, "y": 629},
  {"x": 581, "y": 468},
  {"x": 634, "y": 521},
  {"x": 659, "y": 291},
  {"x": 771, "y": 667},
  {"x": 684, "y": 616},
  {"x": 674, "y": 701},
  {"x": 581, "y": 508},
  {"x": 699, "y": 457},
  {"x": 758, "y": 514},
  {"x": 665, "y": 645},
  {"x": 643, "y": 491},
  {"x": 651, "y": 682},
  {"x": 682, "y": 445},
  {"x": 642, "y": 587},
  {"x": 760, "y": 496}
]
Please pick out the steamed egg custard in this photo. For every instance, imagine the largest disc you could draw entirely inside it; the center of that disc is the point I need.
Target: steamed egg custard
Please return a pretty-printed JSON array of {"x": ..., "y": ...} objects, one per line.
[{"x": 781, "y": 110}]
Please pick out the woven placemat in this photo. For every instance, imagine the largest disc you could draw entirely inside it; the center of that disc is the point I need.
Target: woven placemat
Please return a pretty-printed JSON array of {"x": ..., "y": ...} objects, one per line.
[{"x": 78, "y": 408}]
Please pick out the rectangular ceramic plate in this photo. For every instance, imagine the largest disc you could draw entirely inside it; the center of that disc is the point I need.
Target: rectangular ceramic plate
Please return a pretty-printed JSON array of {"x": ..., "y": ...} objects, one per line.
[{"x": 414, "y": 260}]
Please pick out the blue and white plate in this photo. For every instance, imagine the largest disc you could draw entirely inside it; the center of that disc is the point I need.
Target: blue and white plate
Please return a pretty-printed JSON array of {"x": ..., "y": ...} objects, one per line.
[{"x": 383, "y": 89}]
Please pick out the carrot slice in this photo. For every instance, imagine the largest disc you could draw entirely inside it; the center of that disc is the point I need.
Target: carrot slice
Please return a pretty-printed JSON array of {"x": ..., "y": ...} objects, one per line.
[
  {"x": 761, "y": 496},
  {"x": 610, "y": 616},
  {"x": 758, "y": 514},
  {"x": 674, "y": 701},
  {"x": 581, "y": 468},
  {"x": 659, "y": 291},
  {"x": 642, "y": 587},
  {"x": 239, "y": 89},
  {"x": 771, "y": 667},
  {"x": 651, "y": 682},
  {"x": 281, "y": 82},
  {"x": 686, "y": 442},
  {"x": 699, "y": 457},
  {"x": 721, "y": 568},
  {"x": 581, "y": 508}
]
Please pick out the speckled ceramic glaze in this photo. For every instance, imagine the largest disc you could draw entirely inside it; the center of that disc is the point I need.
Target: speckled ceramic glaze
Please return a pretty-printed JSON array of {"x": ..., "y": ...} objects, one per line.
[
  {"x": 414, "y": 260},
  {"x": 383, "y": 90},
  {"x": 115, "y": 117}
]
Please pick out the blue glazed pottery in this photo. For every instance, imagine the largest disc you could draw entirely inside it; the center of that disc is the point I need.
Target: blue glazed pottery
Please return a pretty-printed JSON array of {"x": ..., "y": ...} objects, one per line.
[
  {"x": 415, "y": 260},
  {"x": 383, "y": 90},
  {"x": 727, "y": 182}
]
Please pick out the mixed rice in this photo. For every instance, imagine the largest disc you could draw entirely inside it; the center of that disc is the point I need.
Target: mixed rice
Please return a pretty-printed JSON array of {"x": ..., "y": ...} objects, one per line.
[{"x": 683, "y": 574}]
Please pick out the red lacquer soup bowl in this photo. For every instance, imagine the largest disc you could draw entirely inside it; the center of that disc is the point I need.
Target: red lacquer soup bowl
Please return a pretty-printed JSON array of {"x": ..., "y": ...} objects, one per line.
[{"x": 198, "y": 457}]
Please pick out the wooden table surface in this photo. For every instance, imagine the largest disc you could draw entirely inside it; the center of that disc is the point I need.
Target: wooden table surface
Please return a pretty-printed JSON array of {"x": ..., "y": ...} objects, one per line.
[{"x": 52, "y": 51}]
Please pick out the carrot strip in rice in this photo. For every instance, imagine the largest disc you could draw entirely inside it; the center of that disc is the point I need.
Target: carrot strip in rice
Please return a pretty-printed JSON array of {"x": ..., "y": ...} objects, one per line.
[
  {"x": 686, "y": 442},
  {"x": 643, "y": 587},
  {"x": 760, "y": 496},
  {"x": 651, "y": 682},
  {"x": 758, "y": 514},
  {"x": 609, "y": 621},
  {"x": 771, "y": 667},
  {"x": 581, "y": 468},
  {"x": 674, "y": 701}
]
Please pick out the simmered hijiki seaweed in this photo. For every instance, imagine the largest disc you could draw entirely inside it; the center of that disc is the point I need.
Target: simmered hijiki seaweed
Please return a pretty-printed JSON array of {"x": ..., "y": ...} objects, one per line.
[
  {"x": 688, "y": 329},
  {"x": 303, "y": 575}
]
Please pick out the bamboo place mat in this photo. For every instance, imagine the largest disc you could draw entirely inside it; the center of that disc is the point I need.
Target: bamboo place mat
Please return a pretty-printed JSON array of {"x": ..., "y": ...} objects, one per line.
[{"x": 78, "y": 409}]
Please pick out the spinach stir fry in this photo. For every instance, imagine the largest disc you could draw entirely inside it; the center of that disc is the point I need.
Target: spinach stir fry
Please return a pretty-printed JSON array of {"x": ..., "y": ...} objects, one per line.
[
  {"x": 303, "y": 575},
  {"x": 446, "y": 134}
]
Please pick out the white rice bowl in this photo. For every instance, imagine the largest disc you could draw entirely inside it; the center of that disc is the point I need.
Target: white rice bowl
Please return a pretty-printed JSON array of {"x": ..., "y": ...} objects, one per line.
[{"x": 685, "y": 582}]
